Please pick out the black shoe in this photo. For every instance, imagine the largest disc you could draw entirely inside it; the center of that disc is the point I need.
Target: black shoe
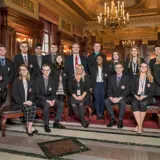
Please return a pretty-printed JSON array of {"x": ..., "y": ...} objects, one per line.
[
  {"x": 120, "y": 124},
  {"x": 47, "y": 129},
  {"x": 99, "y": 118},
  {"x": 10, "y": 122},
  {"x": 30, "y": 134},
  {"x": 112, "y": 123},
  {"x": 86, "y": 125},
  {"x": 58, "y": 125},
  {"x": 94, "y": 113},
  {"x": 35, "y": 131}
]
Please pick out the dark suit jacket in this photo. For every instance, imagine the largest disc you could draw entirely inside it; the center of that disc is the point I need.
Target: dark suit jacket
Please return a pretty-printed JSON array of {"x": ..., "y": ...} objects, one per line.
[
  {"x": 69, "y": 64},
  {"x": 149, "y": 87},
  {"x": 84, "y": 85},
  {"x": 129, "y": 71},
  {"x": 105, "y": 74},
  {"x": 3, "y": 78},
  {"x": 37, "y": 70},
  {"x": 18, "y": 93},
  {"x": 56, "y": 74},
  {"x": 43, "y": 95},
  {"x": 10, "y": 69},
  {"x": 18, "y": 60},
  {"x": 122, "y": 90},
  {"x": 91, "y": 61},
  {"x": 156, "y": 75},
  {"x": 151, "y": 64}
]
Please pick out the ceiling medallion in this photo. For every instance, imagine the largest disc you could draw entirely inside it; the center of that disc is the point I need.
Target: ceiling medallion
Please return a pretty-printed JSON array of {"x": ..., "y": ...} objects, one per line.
[{"x": 114, "y": 16}]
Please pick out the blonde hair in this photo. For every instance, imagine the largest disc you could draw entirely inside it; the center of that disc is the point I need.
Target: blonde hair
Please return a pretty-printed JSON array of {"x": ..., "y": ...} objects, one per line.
[
  {"x": 83, "y": 74},
  {"x": 148, "y": 74},
  {"x": 131, "y": 57},
  {"x": 157, "y": 60},
  {"x": 28, "y": 77}
]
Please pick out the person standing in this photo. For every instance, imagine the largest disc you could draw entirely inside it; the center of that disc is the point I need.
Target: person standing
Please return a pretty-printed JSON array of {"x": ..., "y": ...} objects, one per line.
[
  {"x": 133, "y": 62},
  {"x": 24, "y": 58},
  {"x": 99, "y": 79}
]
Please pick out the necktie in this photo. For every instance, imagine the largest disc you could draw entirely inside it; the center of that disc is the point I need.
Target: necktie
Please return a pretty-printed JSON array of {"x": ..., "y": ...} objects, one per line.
[
  {"x": 118, "y": 80},
  {"x": 25, "y": 60},
  {"x": 39, "y": 61},
  {"x": 3, "y": 62},
  {"x": 76, "y": 61}
]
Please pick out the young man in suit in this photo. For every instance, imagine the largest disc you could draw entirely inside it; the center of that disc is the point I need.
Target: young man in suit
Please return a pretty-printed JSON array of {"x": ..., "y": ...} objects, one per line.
[
  {"x": 39, "y": 58},
  {"x": 118, "y": 90},
  {"x": 46, "y": 98},
  {"x": 3, "y": 85},
  {"x": 91, "y": 60},
  {"x": 24, "y": 58},
  {"x": 156, "y": 49},
  {"x": 8, "y": 64},
  {"x": 74, "y": 60},
  {"x": 99, "y": 79}
]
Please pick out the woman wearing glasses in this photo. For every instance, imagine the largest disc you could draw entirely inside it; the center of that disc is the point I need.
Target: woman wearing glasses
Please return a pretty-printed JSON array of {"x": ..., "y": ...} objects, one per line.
[
  {"x": 142, "y": 89},
  {"x": 23, "y": 98}
]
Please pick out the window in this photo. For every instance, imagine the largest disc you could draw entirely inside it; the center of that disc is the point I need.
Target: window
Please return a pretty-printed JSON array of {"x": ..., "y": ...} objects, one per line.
[{"x": 46, "y": 43}]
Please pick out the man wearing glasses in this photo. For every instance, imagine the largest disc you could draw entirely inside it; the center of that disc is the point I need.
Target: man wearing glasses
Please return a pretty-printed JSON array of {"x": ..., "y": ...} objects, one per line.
[
  {"x": 118, "y": 90},
  {"x": 24, "y": 58},
  {"x": 46, "y": 97}
]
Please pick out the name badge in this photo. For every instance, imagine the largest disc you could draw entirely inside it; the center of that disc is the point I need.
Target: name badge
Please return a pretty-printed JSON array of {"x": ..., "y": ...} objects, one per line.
[{"x": 78, "y": 92}]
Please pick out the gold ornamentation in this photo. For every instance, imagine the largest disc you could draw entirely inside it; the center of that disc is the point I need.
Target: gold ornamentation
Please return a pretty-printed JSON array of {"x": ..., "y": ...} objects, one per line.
[{"x": 66, "y": 26}]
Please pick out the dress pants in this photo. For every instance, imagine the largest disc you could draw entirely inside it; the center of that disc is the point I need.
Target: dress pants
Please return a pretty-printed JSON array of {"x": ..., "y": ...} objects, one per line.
[
  {"x": 79, "y": 110},
  {"x": 121, "y": 105},
  {"x": 3, "y": 96},
  {"x": 99, "y": 98},
  {"x": 46, "y": 110}
]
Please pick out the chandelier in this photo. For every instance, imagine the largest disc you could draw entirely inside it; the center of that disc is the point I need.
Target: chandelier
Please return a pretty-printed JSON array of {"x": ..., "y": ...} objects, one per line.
[
  {"x": 128, "y": 43},
  {"x": 114, "y": 16}
]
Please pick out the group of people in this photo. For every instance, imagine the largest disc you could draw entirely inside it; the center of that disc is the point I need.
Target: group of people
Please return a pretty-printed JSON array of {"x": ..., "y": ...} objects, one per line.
[{"x": 46, "y": 81}]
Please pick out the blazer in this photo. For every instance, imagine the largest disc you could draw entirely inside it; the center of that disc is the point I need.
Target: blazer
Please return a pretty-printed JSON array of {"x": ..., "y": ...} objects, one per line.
[
  {"x": 156, "y": 75},
  {"x": 148, "y": 90},
  {"x": 10, "y": 70},
  {"x": 3, "y": 78},
  {"x": 129, "y": 71},
  {"x": 37, "y": 70},
  {"x": 18, "y": 93},
  {"x": 105, "y": 76},
  {"x": 69, "y": 64},
  {"x": 56, "y": 74},
  {"x": 41, "y": 93},
  {"x": 84, "y": 85},
  {"x": 151, "y": 64},
  {"x": 122, "y": 90},
  {"x": 91, "y": 61},
  {"x": 18, "y": 60}
]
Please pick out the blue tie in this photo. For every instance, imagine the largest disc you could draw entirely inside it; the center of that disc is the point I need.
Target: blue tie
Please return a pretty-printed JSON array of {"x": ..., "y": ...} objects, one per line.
[
  {"x": 3, "y": 62},
  {"x": 118, "y": 80}
]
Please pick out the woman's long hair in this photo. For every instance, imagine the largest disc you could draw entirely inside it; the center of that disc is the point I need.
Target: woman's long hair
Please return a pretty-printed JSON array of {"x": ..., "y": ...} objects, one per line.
[
  {"x": 83, "y": 74},
  {"x": 55, "y": 61},
  {"x": 28, "y": 77},
  {"x": 131, "y": 57},
  {"x": 119, "y": 55},
  {"x": 148, "y": 74}
]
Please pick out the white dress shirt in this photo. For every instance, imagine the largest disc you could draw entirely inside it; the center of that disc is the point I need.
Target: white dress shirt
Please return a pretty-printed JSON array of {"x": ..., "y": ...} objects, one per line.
[{"x": 99, "y": 75}]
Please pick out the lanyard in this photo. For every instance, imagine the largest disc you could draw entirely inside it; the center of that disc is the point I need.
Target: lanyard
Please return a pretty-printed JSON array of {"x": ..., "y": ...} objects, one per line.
[{"x": 142, "y": 82}]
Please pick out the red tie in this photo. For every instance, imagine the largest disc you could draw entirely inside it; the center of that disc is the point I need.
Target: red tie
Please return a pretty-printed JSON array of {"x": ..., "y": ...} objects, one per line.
[{"x": 76, "y": 61}]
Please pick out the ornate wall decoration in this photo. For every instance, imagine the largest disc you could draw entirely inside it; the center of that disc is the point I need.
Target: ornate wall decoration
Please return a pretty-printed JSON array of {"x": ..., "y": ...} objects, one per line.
[
  {"x": 77, "y": 30},
  {"x": 66, "y": 26},
  {"x": 26, "y": 4}
]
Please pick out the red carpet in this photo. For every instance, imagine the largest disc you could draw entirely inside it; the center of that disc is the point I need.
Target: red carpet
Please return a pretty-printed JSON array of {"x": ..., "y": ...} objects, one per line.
[{"x": 128, "y": 121}]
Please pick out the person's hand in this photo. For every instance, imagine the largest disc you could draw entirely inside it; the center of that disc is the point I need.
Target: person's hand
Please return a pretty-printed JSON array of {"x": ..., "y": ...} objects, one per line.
[
  {"x": 29, "y": 103},
  {"x": 137, "y": 97},
  {"x": 142, "y": 97},
  {"x": 116, "y": 100},
  {"x": 52, "y": 103},
  {"x": 111, "y": 99},
  {"x": 80, "y": 98}
]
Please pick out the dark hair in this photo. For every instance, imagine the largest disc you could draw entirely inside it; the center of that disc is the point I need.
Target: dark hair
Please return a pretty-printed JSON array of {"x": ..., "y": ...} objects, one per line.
[
  {"x": 119, "y": 64},
  {"x": 45, "y": 65},
  {"x": 55, "y": 44},
  {"x": 1, "y": 45},
  {"x": 119, "y": 55},
  {"x": 99, "y": 55},
  {"x": 38, "y": 45},
  {"x": 24, "y": 42},
  {"x": 155, "y": 47},
  {"x": 55, "y": 61}
]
